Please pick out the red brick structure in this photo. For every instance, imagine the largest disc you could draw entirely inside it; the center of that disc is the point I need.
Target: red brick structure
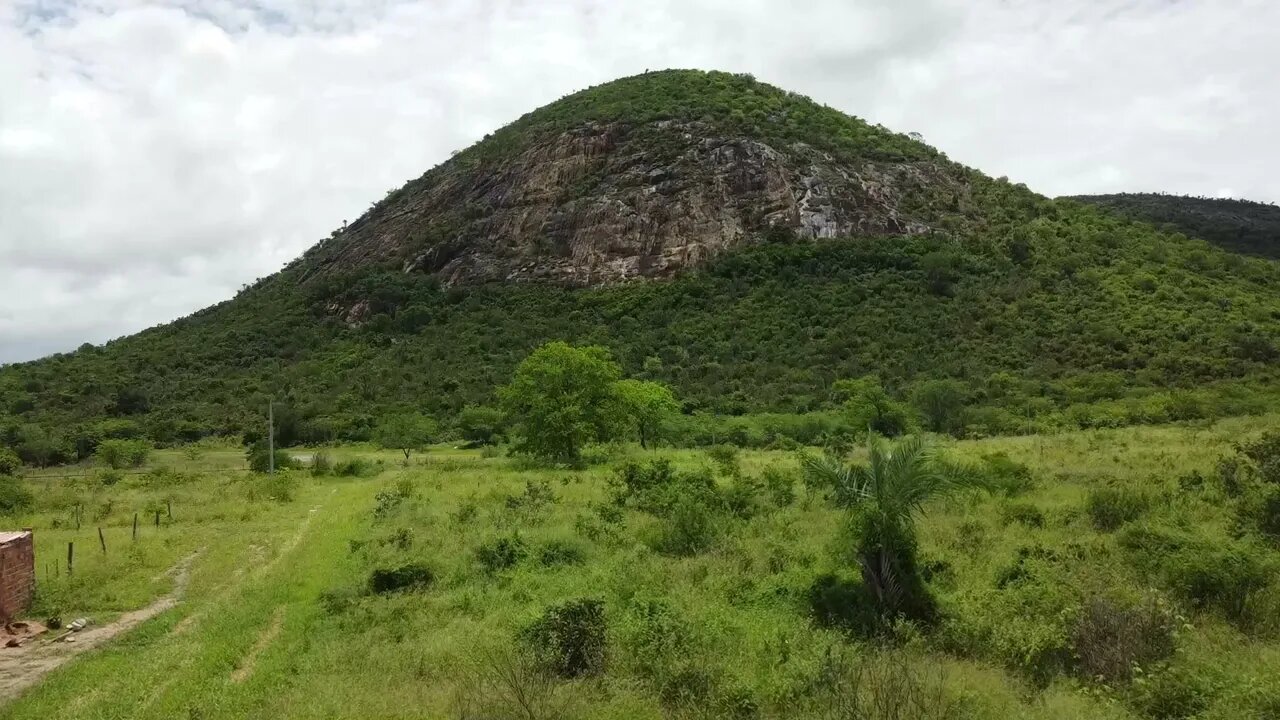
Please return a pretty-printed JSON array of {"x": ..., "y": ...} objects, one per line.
[{"x": 17, "y": 574}]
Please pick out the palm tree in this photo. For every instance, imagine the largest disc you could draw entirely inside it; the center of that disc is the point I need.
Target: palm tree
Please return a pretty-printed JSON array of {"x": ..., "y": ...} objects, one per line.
[{"x": 884, "y": 497}]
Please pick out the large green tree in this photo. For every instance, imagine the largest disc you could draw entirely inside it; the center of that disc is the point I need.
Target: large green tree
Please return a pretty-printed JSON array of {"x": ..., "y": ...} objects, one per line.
[
  {"x": 563, "y": 397},
  {"x": 941, "y": 403},
  {"x": 406, "y": 432},
  {"x": 869, "y": 406},
  {"x": 647, "y": 404}
]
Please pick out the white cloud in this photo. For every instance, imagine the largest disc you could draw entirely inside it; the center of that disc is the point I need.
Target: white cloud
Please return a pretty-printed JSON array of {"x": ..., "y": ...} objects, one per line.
[{"x": 154, "y": 156}]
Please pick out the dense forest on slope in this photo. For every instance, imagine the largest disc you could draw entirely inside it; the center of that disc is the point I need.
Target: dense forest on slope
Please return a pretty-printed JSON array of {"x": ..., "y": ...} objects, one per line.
[
  {"x": 1240, "y": 226},
  {"x": 1048, "y": 312}
]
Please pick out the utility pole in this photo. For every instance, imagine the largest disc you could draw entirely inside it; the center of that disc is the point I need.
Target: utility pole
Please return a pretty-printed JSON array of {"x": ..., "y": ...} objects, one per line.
[{"x": 271, "y": 437}]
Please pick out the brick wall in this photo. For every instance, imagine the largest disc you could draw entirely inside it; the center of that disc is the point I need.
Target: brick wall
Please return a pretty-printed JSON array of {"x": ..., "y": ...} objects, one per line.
[{"x": 17, "y": 576}]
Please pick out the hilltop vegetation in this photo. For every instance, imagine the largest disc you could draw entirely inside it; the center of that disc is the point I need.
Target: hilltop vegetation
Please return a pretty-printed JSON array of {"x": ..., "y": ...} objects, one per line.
[{"x": 1240, "y": 226}]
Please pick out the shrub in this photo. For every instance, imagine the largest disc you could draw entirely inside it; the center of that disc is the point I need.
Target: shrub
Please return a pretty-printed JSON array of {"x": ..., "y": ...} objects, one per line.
[
  {"x": 688, "y": 528},
  {"x": 725, "y": 458},
  {"x": 1024, "y": 513},
  {"x": 656, "y": 488},
  {"x": 117, "y": 454},
  {"x": 1219, "y": 576},
  {"x": 1260, "y": 510},
  {"x": 1006, "y": 476},
  {"x": 14, "y": 496},
  {"x": 1111, "y": 507},
  {"x": 570, "y": 639},
  {"x": 410, "y": 576},
  {"x": 502, "y": 553},
  {"x": 10, "y": 463},
  {"x": 356, "y": 467},
  {"x": 742, "y": 498},
  {"x": 780, "y": 485},
  {"x": 282, "y": 486},
  {"x": 508, "y": 684},
  {"x": 260, "y": 458},
  {"x": 880, "y": 685},
  {"x": 321, "y": 464},
  {"x": 561, "y": 552},
  {"x": 1173, "y": 693},
  {"x": 1265, "y": 456},
  {"x": 1111, "y": 640},
  {"x": 838, "y": 602}
]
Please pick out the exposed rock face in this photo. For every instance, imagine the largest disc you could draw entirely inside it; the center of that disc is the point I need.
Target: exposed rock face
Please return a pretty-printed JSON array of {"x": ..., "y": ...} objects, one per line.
[{"x": 603, "y": 203}]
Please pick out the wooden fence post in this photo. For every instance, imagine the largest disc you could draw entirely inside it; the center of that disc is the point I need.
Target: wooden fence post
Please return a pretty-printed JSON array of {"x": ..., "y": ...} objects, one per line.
[
  {"x": 102, "y": 540},
  {"x": 71, "y": 554},
  {"x": 135, "y": 527}
]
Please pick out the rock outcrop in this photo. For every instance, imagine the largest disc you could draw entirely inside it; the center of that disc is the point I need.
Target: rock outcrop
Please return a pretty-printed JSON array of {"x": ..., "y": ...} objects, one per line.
[{"x": 606, "y": 202}]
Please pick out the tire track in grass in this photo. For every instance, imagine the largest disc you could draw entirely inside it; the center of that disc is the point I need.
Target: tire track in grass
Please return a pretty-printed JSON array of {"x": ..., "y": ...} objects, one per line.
[{"x": 228, "y": 663}]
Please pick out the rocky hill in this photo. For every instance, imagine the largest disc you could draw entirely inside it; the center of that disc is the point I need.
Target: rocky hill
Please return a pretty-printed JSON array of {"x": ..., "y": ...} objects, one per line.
[
  {"x": 644, "y": 177},
  {"x": 791, "y": 245},
  {"x": 1237, "y": 225}
]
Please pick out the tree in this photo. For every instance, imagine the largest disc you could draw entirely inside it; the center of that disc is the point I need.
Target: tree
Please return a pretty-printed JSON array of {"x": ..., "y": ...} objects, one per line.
[
  {"x": 10, "y": 463},
  {"x": 116, "y": 453},
  {"x": 479, "y": 424},
  {"x": 883, "y": 497},
  {"x": 38, "y": 447},
  {"x": 942, "y": 403},
  {"x": 869, "y": 407},
  {"x": 406, "y": 433},
  {"x": 561, "y": 398},
  {"x": 647, "y": 404}
]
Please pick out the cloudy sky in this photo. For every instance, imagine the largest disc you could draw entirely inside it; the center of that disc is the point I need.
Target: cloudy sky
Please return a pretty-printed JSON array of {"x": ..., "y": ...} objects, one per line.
[{"x": 155, "y": 155}]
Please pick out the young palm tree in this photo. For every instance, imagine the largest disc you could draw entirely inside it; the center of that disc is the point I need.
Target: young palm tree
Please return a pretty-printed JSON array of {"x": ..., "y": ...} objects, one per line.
[{"x": 884, "y": 497}]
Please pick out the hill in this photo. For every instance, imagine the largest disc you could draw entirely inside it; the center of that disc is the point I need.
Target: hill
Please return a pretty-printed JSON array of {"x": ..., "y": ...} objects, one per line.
[
  {"x": 796, "y": 246},
  {"x": 1239, "y": 226}
]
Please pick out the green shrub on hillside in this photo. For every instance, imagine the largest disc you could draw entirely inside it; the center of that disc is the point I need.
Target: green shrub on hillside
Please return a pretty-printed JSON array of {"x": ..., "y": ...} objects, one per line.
[
  {"x": 10, "y": 463},
  {"x": 1110, "y": 507},
  {"x": 570, "y": 639},
  {"x": 117, "y": 454}
]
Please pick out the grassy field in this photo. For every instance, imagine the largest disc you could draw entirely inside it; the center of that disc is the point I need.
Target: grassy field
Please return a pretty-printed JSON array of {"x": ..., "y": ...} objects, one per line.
[{"x": 287, "y": 616}]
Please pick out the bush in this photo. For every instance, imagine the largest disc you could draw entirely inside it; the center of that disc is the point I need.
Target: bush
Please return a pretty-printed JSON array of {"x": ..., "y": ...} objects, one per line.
[
  {"x": 356, "y": 467},
  {"x": 281, "y": 487},
  {"x": 561, "y": 552},
  {"x": 260, "y": 458},
  {"x": 117, "y": 454},
  {"x": 410, "y": 576},
  {"x": 1259, "y": 510},
  {"x": 1264, "y": 453},
  {"x": 571, "y": 639},
  {"x": 742, "y": 498},
  {"x": 780, "y": 485},
  {"x": 509, "y": 684},
  {"x": 502, "y": 553},
  {"x": 321, "y": 464},
  {"x": 1024, "y": 513},
  {"x": 881, "y": 685},
  {"x": 725, "y": 458},
  {"x": 838, "y": 602},
  {"x": 1006, "y": 476},
  {"x": 1111, "y": 640},
  {"x": 14, "y": 496},
  {"x": 688, "y": 528},
  {"x": 10, "y": 463},
  {"x": 1173, "y": 693},
  {"x": 1111, "y": 507},
  {"x": 1223, "y": 577}
]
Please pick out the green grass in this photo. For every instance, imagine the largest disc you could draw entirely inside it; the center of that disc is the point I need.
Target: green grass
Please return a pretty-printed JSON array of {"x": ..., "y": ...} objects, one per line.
[{"x": 736, "y": 632}]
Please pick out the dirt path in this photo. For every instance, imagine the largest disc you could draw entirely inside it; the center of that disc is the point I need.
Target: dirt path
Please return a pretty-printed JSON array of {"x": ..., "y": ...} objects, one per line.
[
  {"x": 265, "y": 637},
  {"x": 22, "y": 667}
]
